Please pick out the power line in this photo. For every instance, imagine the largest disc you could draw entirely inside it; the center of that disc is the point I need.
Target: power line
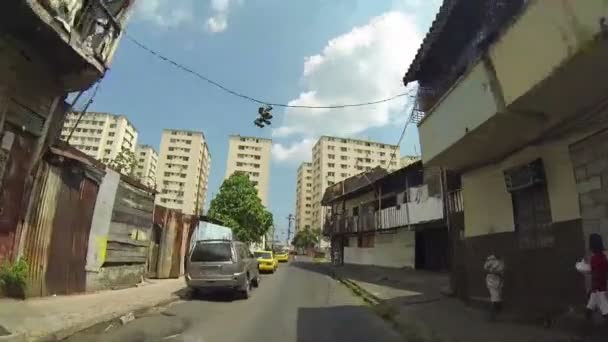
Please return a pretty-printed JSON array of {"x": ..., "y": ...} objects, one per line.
[
  {"x": 247, "y": 97},
  {"x": 84, "y": 109},
  {"x": 407, "y": 123}
]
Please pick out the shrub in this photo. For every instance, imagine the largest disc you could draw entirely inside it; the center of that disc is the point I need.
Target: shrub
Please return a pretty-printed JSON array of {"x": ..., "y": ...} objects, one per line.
[{"x": 13, "y": 278}]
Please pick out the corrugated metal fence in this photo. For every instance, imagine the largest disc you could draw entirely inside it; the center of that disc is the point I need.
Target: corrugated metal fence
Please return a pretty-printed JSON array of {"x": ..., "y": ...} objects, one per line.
[{"x": 58, "y": 224}]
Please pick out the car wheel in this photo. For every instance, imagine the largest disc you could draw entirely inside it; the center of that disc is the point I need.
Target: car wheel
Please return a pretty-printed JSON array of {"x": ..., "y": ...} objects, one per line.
[
  {"x": 257, "y": 280},
  {"x": 246, "y": 291}
]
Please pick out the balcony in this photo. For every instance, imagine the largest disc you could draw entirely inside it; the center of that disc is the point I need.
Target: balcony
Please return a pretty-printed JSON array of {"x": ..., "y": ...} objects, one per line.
[
  {"x": 533, "y": 80},
  {"x": 420, "y": 210},
  {"x": 77, "y": 38}
]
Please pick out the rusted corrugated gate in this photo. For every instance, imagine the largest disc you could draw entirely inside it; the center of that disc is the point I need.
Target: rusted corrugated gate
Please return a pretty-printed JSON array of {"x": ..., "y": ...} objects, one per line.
[
  {"x": 70, "y": 239},
  {"x": 58, "y": 225},
  {"x": 14, "y": 166},
  {"x": 39, "y": 227},
  {"x": 175, "y": 230}
]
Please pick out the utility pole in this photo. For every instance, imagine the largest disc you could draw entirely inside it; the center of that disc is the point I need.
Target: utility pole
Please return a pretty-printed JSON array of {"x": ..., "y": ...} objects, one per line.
[{"x": 290, "y": 219}]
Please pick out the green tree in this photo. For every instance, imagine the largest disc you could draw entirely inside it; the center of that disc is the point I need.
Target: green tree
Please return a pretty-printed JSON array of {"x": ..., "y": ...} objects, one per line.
[
  {"x": 307, "y": 238},
  {"x": 125, "y": 162},
  {"x": 238, "y": 206}
]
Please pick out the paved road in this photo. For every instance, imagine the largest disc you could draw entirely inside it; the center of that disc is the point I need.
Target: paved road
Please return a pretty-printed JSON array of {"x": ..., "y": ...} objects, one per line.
[{"x": 297, "y": 303}]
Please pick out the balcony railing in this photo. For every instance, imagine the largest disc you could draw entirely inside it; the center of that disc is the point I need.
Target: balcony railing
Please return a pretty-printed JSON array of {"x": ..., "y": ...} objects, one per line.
[
  {"x": 455, "y": 202},
  {"x": 93, "y": 23}
]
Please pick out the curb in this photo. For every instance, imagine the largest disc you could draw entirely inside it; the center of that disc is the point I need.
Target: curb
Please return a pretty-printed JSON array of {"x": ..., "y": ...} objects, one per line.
[
  {"x": 361, "y": 292},
  {"x": 66, "y": 332},
  {"x": 368, "y": 297},
  {"x": 13, "y": 338}
]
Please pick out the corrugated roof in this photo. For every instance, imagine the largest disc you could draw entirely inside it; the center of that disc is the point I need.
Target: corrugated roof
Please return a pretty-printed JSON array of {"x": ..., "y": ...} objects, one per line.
[
  {"x": 436, "y": 28},
  {"x": 352, "y": 184}
]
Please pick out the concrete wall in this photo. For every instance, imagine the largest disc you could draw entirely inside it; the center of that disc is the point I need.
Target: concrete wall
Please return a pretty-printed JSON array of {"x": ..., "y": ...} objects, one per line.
[
  {"x": 563, "y": 27},
  {"x": 395, "y": 249},
  {"x": 591, "y": 171},
  {"x": 487, "y": 204},
  {"x": 115, "y": 277},
  {"x": 464, "y": 108}
]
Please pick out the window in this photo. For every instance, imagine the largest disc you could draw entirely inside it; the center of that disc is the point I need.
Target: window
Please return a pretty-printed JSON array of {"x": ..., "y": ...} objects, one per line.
[
  {"x": 241, "y": 147},
  {"x": 331, "y": 156},
  {"x": 532, "y": 215},
  {"x": 111, "y": 134},
  {"x": 381, "y": 154},
  {"x": 344, "y": 175},
  {"x": 331, "y": 174},
  {"x": 212, "y": 252},
  {"x": 112, "y": 125},
  {"x": 344, "y": 158},
  {"x": 344, "y": 166},
  {"x": 331, "y": 148},
  {"x": 331, "y": 164},
  {"x": 343, "y": 149}
]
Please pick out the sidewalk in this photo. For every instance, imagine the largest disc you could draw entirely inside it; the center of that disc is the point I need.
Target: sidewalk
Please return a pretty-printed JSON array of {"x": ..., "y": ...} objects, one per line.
[
  {"x": 55, "y": 318},
  {"x": 412, "y": 300}
]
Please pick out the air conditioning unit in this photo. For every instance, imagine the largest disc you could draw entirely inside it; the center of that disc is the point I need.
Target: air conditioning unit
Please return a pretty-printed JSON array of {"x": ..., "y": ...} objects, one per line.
[{"x": 525, "y": 176}]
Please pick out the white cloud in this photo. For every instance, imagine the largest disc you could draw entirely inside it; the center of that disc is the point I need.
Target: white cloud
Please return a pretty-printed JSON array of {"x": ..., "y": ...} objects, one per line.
[
  {"x": 218, "y": 22},
  {"x": 365, "y": 64},
  {"x": 293, "y": 154},
  {"x": 166, "y": 13}
]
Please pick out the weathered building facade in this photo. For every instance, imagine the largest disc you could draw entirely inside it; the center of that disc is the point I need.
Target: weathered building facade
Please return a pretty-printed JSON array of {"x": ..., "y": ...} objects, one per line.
[
  {"x": 391, "y": 220},
  {"x": 525, "y": 132},
  {"x": 47, "y": 50}
]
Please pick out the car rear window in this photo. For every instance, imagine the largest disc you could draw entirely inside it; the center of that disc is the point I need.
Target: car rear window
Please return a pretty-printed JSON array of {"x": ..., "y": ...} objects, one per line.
[
  {"x": 211, "y": 252},
  {"x": 263, "y": 255}
]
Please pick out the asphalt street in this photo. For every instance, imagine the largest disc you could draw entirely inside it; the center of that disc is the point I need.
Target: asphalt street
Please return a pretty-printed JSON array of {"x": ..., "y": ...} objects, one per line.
[{"x": 298, "y": 303}]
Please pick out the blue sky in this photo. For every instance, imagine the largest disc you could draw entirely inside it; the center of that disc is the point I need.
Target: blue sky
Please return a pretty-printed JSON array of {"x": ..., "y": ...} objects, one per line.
[{"x": 313, "y": 52}]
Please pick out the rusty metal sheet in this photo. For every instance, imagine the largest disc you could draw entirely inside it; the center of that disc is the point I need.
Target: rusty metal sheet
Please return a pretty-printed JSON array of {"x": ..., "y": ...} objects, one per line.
[
  {"x": 20, "y": 147},
  {"x": 70, "y": 238},
  {"x": 39, "y": 227},
  {"x": 177, "y": 245}
]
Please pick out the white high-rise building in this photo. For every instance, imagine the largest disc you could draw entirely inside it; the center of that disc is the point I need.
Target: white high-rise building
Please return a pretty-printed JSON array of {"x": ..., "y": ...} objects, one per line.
[
  {"x": 100, "y": 135},
  {"x": 335, "y": 159},
  {"x": 304, "y": 197},
  {"x": 251, "y": 155},
  {"x": 183, "y": 171},
  {"x": 147, "y": 161}
]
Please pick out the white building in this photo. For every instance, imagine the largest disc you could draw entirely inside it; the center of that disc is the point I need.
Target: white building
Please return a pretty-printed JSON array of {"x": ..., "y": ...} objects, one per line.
[
  {"x": 100, "y": 135},
  {"x": 251, "y": 155},
  {"x": 183, "y": 171},
  {"x": 147, "y": 161},
  {"x": 304, "y": 197},
  {"x": 335, "y": 159}
]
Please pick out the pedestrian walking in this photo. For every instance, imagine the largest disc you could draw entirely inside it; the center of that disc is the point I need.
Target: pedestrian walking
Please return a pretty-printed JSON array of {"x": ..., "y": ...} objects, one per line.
[
  {"x": 495, "y": 267},
  {"x": 599, "y": 276}
]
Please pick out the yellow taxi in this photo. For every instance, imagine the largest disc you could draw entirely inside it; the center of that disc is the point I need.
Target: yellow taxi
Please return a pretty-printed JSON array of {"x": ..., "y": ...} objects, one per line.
[
  {"x": 267, "y": 262},
  {"x": 282, "y": 255}
]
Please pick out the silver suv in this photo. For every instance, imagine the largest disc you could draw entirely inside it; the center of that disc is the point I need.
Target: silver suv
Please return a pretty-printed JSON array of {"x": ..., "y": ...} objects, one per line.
[{"x": 222, "y": 264}]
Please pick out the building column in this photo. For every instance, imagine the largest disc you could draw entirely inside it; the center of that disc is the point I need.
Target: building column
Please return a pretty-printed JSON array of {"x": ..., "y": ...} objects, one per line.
[{"x": 590, "y": 165}]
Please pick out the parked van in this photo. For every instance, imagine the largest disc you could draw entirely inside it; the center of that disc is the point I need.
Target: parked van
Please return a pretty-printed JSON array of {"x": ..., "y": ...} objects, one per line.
[{"x": 222, "y": 264}]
